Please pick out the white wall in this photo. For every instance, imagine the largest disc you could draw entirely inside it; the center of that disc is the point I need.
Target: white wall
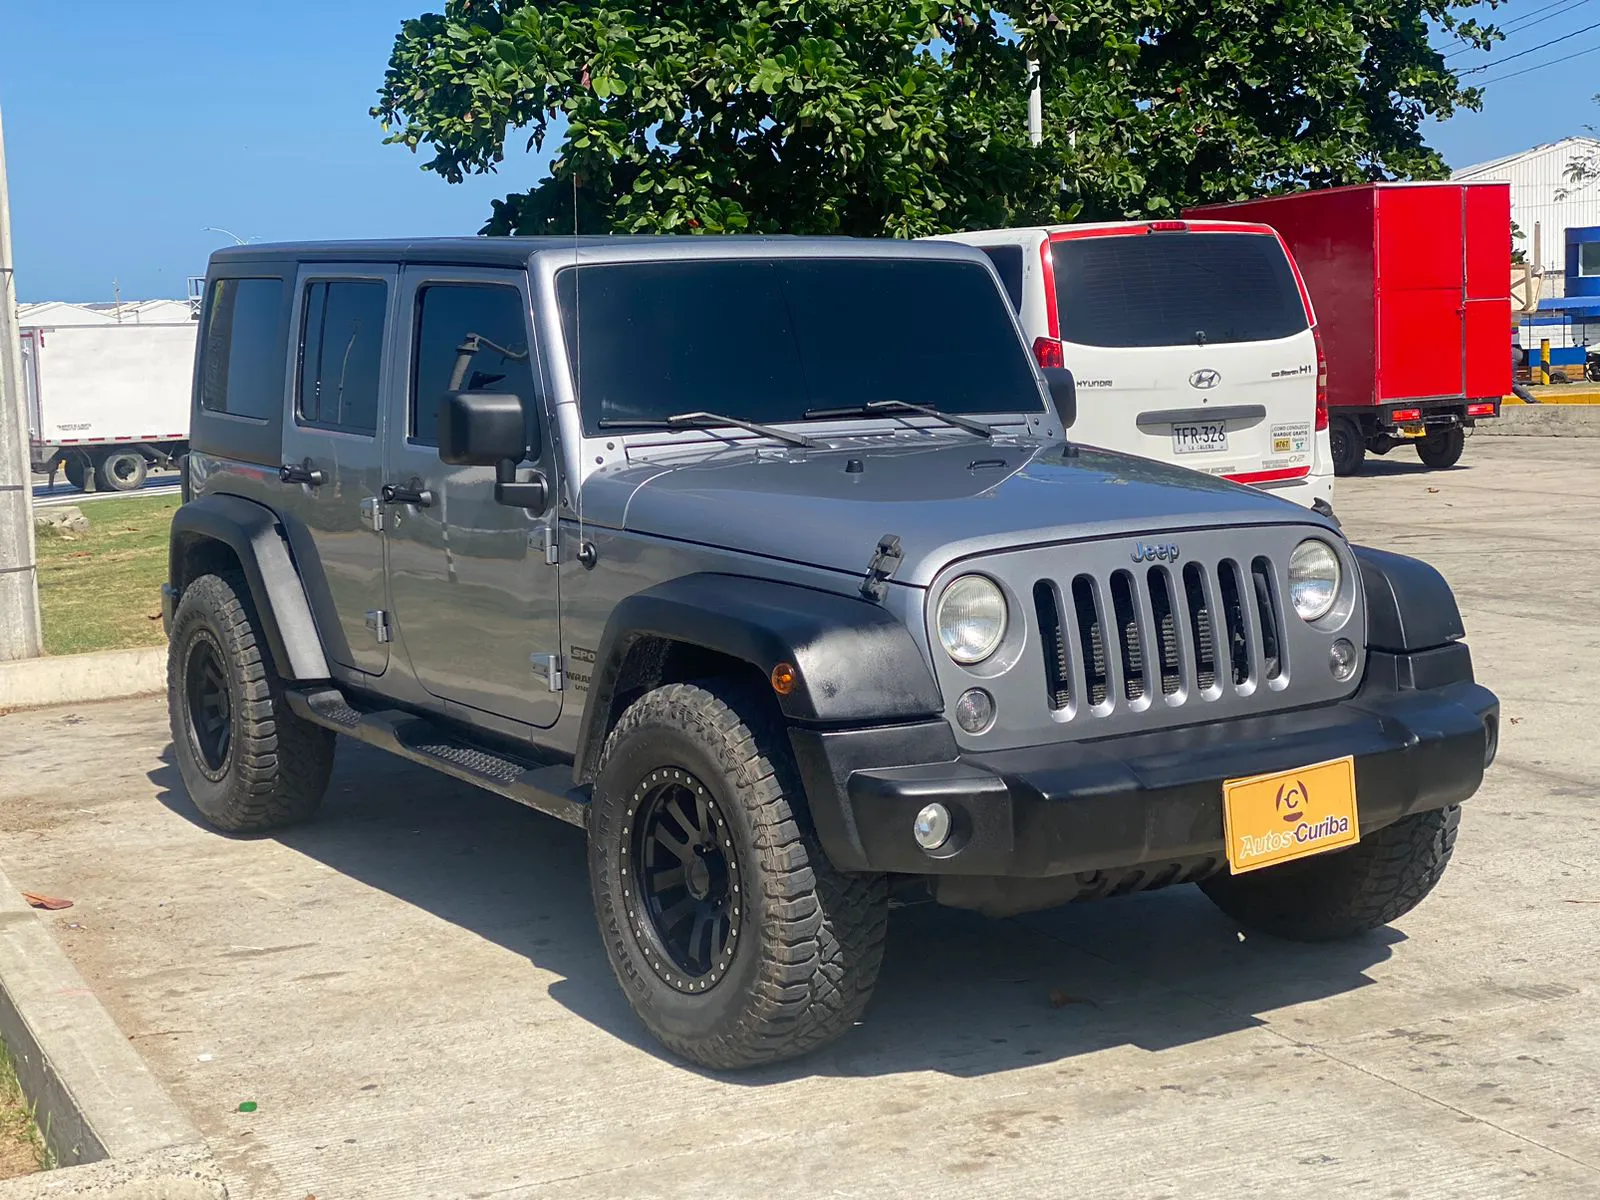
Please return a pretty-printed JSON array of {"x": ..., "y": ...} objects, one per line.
[{"x": 1536, "y": 176}]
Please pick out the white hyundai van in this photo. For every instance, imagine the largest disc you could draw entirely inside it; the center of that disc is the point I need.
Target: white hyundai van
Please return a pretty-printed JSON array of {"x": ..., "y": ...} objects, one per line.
[{"x": 1193, "y": 342}]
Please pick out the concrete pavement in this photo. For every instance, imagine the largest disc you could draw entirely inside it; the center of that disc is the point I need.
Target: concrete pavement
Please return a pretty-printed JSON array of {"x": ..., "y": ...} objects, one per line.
[{"x": 412, "y": 990}]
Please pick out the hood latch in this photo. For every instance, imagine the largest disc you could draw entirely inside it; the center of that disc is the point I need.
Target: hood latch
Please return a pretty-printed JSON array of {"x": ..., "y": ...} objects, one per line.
[{"x": 885, "y": 562}]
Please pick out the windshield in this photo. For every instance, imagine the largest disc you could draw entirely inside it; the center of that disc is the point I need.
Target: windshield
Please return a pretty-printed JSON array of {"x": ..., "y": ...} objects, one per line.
[
  {"x": 765, "y": 340},
  {"x": 1175, "y": 289}
]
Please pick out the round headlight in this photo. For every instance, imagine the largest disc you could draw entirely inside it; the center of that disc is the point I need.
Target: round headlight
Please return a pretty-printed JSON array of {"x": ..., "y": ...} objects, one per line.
[
  {"x": 971, "y": 619},
  {"x": 1313, "y": 579}
]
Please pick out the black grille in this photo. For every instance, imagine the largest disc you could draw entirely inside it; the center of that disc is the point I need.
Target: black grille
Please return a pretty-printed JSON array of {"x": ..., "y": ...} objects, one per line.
[{"x": 1204, "y": 622}]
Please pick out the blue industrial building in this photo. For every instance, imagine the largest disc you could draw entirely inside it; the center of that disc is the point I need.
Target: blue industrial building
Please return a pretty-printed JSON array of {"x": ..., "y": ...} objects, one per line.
[{"x": 1571, "y": 321}]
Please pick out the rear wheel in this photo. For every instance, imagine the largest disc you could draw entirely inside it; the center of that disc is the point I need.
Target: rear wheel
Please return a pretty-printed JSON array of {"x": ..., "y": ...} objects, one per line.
[
  {"x": 248, "y": 762},
  {"x": 734, "y": 939},
  {"x": 77, "y": 471},
  {"x": 1345, "y": 892},
  {"x": 1349, "y": 448},
  {"x": 121, "y": 471},
  {"x": 1442, "y": 447}
]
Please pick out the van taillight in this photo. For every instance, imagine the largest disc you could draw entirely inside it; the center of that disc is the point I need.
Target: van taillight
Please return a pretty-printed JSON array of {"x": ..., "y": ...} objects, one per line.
[
  {"x": 1322, "y": 379},
  {"x": 1049, "y": 352}
]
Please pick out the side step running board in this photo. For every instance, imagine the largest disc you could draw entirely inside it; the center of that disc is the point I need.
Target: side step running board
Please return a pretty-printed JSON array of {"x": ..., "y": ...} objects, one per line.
[{"x": 546, "y": 788}]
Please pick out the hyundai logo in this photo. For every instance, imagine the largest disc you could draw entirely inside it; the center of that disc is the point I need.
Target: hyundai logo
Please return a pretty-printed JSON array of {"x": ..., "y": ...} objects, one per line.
[
  {"x": 1205, "y": 379},
  {"x": 1153, "y": 552}
]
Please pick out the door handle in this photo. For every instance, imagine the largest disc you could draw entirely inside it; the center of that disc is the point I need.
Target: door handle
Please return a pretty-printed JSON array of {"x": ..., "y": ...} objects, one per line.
[
  {"x": 302, "y": 472},
  {"x": 396, "y": 494}
]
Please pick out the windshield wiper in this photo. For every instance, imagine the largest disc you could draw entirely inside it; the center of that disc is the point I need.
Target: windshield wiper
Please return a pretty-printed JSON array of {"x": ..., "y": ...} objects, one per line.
[
  {"x": 877, "y": 406},
  {"x": 707, "y": 420}
]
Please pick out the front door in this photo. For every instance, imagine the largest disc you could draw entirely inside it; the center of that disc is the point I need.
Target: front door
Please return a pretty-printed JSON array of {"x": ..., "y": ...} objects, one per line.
[
  {"x": 333, "y": 454},
  {"x": 473, "y": 599}
]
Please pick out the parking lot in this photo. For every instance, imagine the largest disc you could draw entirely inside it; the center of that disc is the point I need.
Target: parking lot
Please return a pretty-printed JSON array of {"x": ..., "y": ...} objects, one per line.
[{"x": 412, "y": 991}]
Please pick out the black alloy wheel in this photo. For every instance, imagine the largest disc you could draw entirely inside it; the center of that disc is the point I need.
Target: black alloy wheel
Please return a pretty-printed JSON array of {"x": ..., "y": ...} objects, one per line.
[
  {"x": 684, "y": 900},
  {"x": 210, "y": 707}
]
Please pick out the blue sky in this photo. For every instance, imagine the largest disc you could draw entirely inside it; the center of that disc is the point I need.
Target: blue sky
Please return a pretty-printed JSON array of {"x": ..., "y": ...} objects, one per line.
[{"x": 129, "y": 127}]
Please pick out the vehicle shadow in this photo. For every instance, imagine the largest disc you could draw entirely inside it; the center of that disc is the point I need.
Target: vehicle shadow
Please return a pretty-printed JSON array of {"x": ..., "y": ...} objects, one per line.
[
  {"x": 959, "y": 993},
  {"x": 1402, "y": 461}
]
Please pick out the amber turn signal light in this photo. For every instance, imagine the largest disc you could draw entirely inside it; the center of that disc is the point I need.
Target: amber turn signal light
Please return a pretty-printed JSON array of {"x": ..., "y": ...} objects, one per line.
[{"x": 784, "y": 677}]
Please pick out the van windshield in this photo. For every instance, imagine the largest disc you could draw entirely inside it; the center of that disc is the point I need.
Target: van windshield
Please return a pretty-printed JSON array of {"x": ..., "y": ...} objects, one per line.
[
  {"x": 767, "y": 339},
  {"x": 1175, "y": 289}
]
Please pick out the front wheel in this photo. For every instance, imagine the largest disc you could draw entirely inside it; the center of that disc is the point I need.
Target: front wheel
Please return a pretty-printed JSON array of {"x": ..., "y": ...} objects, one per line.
[
  {"x": 735, "y": 940},
  {"x": 1344, "y": 892},
  {"x": 1442, "y": 447}
]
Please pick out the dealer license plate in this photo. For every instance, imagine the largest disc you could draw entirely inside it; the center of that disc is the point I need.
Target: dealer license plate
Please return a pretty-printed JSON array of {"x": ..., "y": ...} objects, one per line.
[
  {"x": 1203, "y": 438},
  {"x": 1271, "y": 819}
]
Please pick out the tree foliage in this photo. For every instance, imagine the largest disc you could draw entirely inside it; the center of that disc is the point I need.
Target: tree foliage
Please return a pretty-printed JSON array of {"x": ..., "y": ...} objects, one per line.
[{"x": 908, "y": 117}]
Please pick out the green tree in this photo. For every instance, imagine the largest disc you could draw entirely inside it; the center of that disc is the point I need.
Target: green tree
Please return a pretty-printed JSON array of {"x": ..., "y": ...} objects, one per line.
[
  {"x": 1584, "y": 169},
  {"x": 906, "y": 117}
]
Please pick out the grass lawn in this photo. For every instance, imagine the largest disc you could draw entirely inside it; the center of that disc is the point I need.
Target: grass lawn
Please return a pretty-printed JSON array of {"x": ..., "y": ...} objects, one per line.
[
  {"x": 101, "y": 589},
  {"x": 21, "y": 1150}
]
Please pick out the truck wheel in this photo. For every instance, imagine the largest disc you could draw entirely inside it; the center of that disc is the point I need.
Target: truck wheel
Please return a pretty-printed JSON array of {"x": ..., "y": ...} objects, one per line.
[
  {"x": 1349, "y": 448},
  {"x": 735, "y": 940},
  {"x": 1442, "y": 448},
  {"x": 1336, "y": 895},
  {"x": 248, "y": 762},
  {"x": 121, "y": 471},
  {"x": 77, "y": 471}
]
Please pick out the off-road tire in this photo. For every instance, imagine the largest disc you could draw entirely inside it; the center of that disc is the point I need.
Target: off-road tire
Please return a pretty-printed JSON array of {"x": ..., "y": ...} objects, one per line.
[
  {"x": 1345, "y": 892},
  {"x": 1442, "y": 449},
  {"x": 122, "y": 471},
  {"x": 1349, "y": 447},
  {"x": 810, "y": 939},
  {"x": 276, "y": 766}
]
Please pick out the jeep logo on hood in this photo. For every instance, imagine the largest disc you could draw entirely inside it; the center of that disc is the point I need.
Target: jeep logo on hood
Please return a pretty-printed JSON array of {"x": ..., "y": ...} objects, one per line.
[{"x": 1155, "y": 552}]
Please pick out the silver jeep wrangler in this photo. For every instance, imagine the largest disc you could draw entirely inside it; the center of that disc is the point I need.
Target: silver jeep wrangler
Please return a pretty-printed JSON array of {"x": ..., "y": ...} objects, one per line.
[{"x": 770, "y": 563}]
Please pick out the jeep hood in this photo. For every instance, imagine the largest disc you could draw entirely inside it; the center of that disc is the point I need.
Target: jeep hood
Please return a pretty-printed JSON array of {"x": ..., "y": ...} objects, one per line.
[{"x": 944, "y": 499}]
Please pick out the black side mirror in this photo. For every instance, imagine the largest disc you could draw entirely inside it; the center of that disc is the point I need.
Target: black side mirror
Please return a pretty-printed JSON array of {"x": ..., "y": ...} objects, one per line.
[
  {"x": 1063, "y": 393},
  {"x": 489, "y": 429},
  {"x": 478, "y": 429}
]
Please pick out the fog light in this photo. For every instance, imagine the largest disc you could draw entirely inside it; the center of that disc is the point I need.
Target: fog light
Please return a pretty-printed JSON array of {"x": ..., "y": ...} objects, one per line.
[
  {"x": 1342, "y": 659},
  {"x": 932, "y": 827},
  {"x": 1491, "y": 739},
  {"x": 975, "y": 710}
]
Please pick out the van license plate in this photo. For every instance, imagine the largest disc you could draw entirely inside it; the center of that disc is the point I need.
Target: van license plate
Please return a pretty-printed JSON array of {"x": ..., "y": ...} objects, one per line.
[{"x": 1200, "y": 439}]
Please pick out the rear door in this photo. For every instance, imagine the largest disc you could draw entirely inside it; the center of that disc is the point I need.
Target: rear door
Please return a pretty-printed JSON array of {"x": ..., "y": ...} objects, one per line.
[
  {"x": 333, "y": 453},
  {"x": 1192, "y": 346},
  {"x": 1421, "y": 278}
]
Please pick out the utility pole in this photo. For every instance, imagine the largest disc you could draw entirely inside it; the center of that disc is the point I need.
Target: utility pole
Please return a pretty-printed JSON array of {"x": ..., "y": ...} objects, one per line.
[
  {"x": 19, "y": 582},
  {"x": 1035, "y": 104}
]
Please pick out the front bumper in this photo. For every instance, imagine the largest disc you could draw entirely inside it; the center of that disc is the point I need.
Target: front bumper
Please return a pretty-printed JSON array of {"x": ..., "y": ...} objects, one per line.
[{"x": 1143, "y": 798}]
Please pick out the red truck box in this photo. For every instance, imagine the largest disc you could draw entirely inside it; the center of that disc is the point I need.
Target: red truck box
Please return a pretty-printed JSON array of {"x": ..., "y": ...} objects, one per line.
[{"x": 1411, "y": 283}]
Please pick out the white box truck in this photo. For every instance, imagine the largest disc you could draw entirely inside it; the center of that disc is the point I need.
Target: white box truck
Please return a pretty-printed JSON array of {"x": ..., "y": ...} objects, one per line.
[{"x": 107, "y": 402}]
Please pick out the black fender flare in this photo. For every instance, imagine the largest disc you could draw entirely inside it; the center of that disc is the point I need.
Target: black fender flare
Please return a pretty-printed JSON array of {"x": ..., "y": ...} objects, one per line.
[
  {"x": 855, "y": 663},
  {"x": 252, "y": 532},
  {"x": 1410, "y": 607}
]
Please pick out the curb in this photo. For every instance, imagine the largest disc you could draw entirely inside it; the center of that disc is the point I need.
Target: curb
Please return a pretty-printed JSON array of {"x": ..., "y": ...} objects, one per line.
[
  {"x": 104, "y": 1116},
  {"x": 81, "y": 678},
  {"x": 1543, "y": 420}
]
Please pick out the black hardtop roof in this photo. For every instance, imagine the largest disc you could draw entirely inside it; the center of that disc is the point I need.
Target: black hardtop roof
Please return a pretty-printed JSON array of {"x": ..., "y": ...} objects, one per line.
[{"x": 515, "y": 251}]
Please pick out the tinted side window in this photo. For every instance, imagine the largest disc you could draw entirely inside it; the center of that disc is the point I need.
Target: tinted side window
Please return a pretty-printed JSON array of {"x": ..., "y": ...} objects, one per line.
[
  {"x": 341, "y": 354},
  {"x": 1008, "y": 261},
  {"x": 1175, "y": 289},
  {"x": 448, "y": 317},
  {"x": 242, "y": 373}
]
